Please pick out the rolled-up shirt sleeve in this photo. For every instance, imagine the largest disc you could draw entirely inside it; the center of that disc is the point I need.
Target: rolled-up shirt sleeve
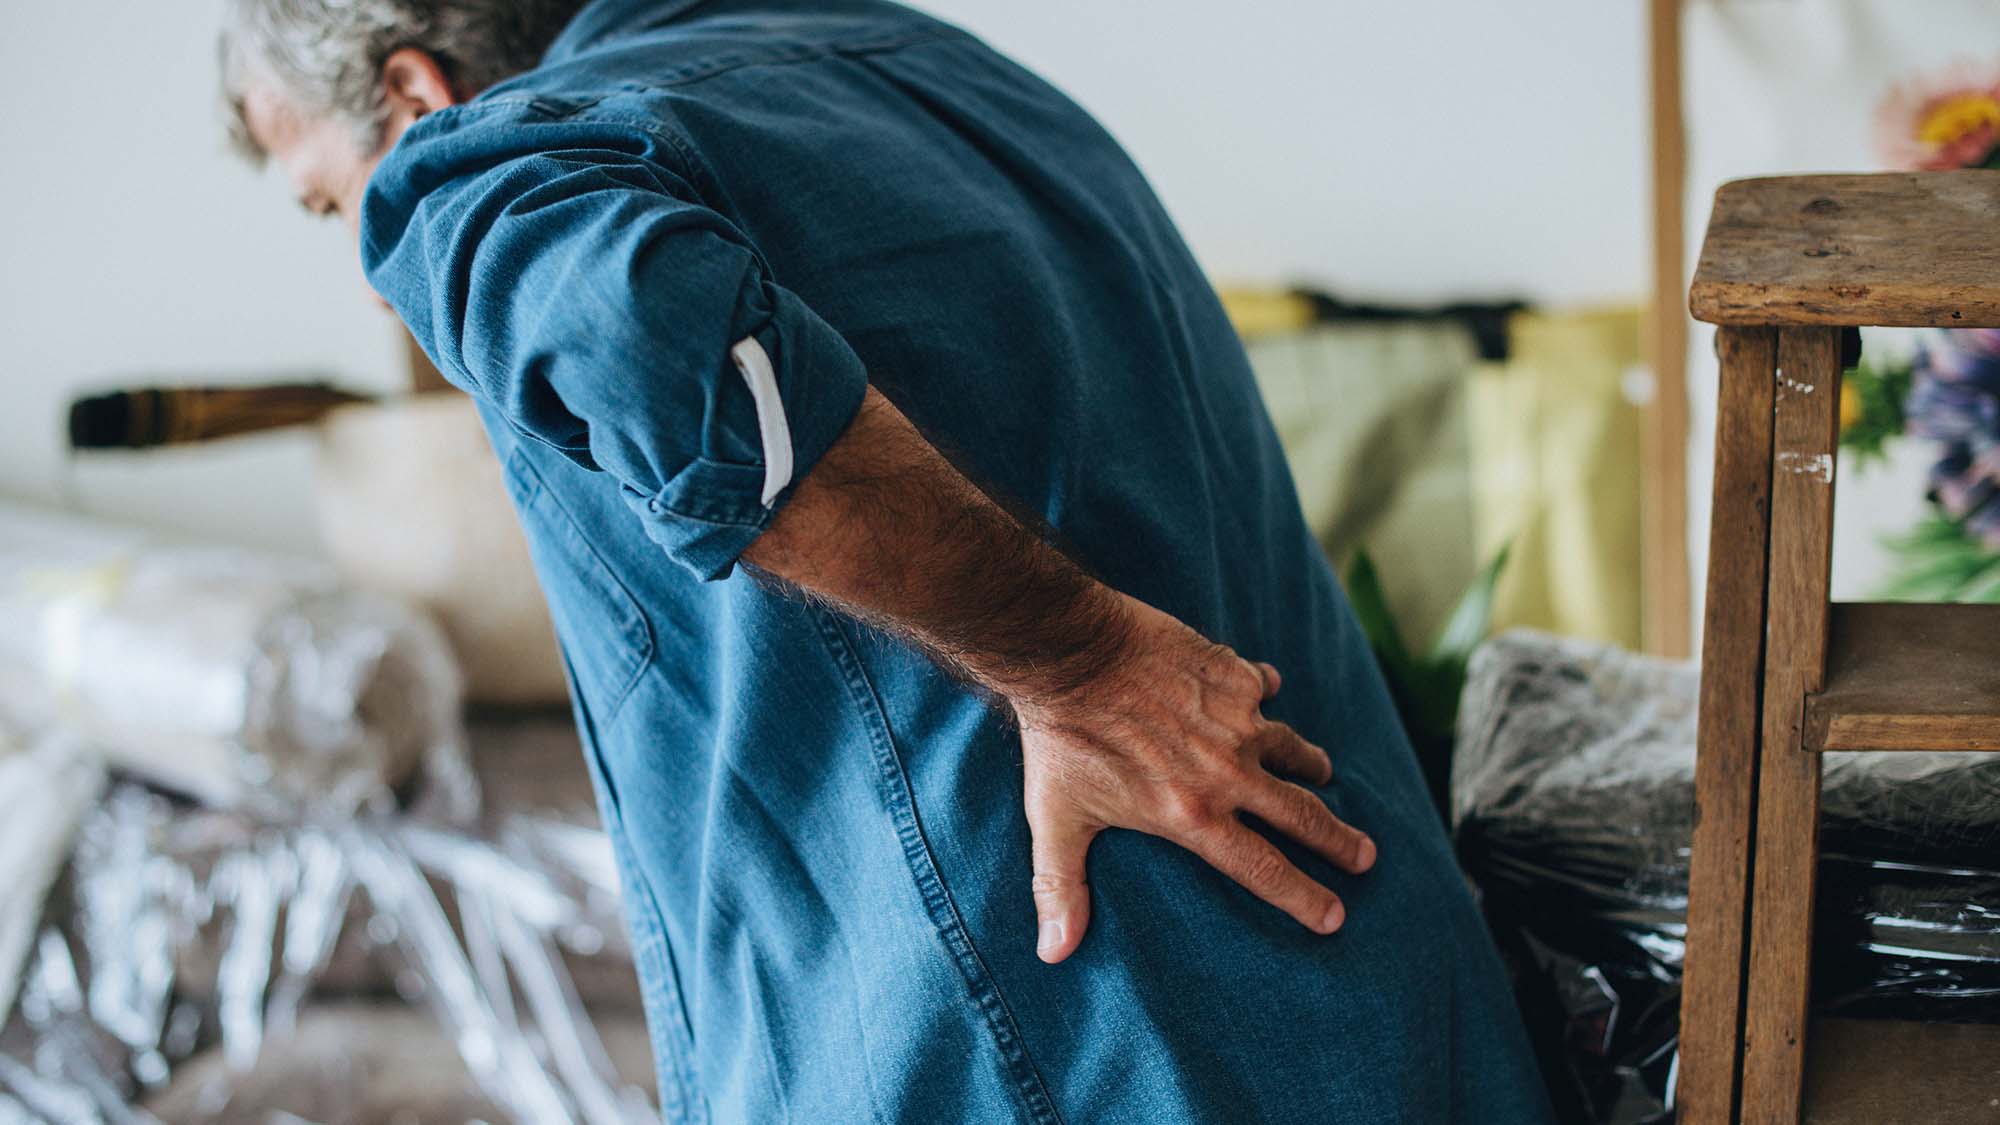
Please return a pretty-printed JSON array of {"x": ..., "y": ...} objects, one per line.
[{"x": 599, "y": 310}]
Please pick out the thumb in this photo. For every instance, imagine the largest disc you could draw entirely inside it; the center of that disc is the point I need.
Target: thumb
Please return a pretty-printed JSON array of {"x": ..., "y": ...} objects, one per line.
[{"x": 1062, "y": 898}]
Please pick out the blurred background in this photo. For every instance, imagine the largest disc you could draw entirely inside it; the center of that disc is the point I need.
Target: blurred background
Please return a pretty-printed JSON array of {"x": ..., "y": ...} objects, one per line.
[
  {"x": 1430, "y": 153},
  {"x": 1454, "y": 236},
  {"x": 1433, "y": 153}
]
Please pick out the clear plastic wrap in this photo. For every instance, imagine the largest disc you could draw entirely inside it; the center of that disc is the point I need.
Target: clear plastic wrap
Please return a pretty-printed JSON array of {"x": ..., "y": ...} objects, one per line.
[
  {"x": 1573, "y": 804},
  {"x": 230, "y": 676},
  {"x": 182, "y": 932}
]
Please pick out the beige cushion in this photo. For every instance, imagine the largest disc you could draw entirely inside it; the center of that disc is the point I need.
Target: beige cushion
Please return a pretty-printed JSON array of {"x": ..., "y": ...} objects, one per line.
[{"x": 411, "y": 503}]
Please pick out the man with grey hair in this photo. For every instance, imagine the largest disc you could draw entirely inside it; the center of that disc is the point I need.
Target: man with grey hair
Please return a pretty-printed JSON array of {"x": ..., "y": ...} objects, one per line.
[{"x": 724, "y": 277}]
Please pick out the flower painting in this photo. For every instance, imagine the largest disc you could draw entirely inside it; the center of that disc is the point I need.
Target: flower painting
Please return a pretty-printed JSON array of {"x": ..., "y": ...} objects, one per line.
[
  {"x": 1944, "y": 121},
  {"x": 1950, "y": 393}
]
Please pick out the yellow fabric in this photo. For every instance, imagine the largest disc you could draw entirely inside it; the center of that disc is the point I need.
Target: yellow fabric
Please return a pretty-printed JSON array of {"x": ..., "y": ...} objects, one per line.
[
  {"x": 1401, "y": 441},
  {"x": 1372, "y": 418},
  {"x": 1554, "y": 466},
  {"x": 1266, "y": 312}
]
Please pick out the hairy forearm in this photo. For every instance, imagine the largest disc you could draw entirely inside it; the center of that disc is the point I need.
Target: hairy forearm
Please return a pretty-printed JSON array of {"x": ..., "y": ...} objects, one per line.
[
  {"x": 886, "y": 530},
  {"x": 1128, "y": 718}
]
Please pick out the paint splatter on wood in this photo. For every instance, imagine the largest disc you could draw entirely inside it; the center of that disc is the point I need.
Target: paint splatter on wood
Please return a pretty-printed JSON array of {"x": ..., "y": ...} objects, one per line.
[{"x": 1818, "y": 465}]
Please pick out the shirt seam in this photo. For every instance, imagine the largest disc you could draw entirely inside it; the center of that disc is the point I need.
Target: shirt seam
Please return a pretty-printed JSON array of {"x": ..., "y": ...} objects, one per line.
[
  {"x": 894, "y": 786},
  {"x": 553, "y": 109},
  {"x": 637, "y": 631},
  {"x": 550, "y": 111},
  {"x": 712, "y": 516},
  {"x": 702, "y": 68},
  {"x": 683, "y": 1087}
]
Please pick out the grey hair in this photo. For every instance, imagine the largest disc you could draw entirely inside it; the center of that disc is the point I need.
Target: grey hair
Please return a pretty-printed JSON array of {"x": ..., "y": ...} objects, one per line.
[{"x": 325, "y": 56}]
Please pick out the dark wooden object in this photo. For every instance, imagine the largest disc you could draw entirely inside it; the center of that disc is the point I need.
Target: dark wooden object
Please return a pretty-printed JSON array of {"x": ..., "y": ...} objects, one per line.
[
  {"x": 155, "y": 416},
  {"x": 1787, "y": 844},
  {"x": 1867, "y": 1072},
  {"x": 1732, "y": 659},
  {"x": 1666, "y": 599},
  {"x": 1910, "y": 677},
  {"x": 1788, "y": 264},
  {"x": 1892, "y": 249}
]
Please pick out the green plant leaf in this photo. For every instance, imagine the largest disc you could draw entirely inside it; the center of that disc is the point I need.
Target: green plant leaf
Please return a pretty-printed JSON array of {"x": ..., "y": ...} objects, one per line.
[
  {"x": 1371, "y": 610},
  {"x": 1472, "y": 618},
  {"x": 1936, "y": 561},
  {"x": 1433, "y": 698},
  {"x": 1983, "y": 588},
  {"x": 1425, "y": 691},
  {"x": 1877, "y": 390}
]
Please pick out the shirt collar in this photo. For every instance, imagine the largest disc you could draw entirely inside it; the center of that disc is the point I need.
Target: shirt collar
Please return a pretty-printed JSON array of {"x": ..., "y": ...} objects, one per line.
[{"x": 601, "y": 19}]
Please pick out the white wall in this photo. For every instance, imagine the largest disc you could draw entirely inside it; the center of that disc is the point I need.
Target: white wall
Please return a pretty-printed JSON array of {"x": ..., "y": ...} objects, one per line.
[
  {"x": 1418, "y": 148},
  {"x": 133, "y": 247},
  {"x": 1427, "y": 148}
]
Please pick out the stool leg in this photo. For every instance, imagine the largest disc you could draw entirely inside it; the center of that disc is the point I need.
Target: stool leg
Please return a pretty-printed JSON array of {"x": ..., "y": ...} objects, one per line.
[
  {"x": 1732, "y": 672},
  {"x": 1781, "y": 903}
]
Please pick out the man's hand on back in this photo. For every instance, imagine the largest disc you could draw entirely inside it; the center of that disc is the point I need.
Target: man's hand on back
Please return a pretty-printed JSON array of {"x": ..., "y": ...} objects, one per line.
[
  {"x": 1129, "y": 719},
  {"x": 1170, "y": 740}
]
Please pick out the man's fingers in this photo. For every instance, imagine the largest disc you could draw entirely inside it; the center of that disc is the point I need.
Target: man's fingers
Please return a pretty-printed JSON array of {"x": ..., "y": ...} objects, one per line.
[
  {"x": 1264, "y": 871},
  {"x": 1298, "y": 813},
  {"x": 1062, "y": 898},
  {"x": 1272, "y": 681},
  {"x": 1283, "y": 752}
]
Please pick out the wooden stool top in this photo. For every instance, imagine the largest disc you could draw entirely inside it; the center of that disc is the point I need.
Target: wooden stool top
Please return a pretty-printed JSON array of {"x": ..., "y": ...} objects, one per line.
[{"x": 1916, "y": 249}]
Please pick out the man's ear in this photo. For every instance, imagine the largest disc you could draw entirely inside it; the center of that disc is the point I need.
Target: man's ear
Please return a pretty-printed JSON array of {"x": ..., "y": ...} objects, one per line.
[{"x": 413, "y": 84}]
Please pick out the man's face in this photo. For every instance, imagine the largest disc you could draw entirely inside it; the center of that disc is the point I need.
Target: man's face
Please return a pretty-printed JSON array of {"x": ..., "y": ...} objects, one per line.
[{"x": 327, "y": 168}]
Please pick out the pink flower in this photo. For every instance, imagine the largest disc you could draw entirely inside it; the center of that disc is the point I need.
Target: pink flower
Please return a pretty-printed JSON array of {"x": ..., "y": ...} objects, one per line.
[{"x": 1945, "y": 121}]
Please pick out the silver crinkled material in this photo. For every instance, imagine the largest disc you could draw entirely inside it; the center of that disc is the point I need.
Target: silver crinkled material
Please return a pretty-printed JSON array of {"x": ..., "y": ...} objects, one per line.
[
  {"x": 289, "y": 901},
  {"x": 1573, "y": 808},
  {"x": 47, "y": 785},
  {"x": 194, "y": 932}
]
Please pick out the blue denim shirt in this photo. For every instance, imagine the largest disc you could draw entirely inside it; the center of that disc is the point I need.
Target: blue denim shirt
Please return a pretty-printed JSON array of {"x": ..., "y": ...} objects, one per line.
[{"x": 666, "y": 263}]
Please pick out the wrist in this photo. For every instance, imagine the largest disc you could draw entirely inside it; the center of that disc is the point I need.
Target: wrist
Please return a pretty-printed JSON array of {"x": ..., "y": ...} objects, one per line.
[{"x": 1094, "y": 641}]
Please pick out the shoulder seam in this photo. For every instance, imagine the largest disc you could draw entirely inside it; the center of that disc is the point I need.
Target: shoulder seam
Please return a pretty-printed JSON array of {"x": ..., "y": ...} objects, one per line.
[{"x": 700, "y": 69}]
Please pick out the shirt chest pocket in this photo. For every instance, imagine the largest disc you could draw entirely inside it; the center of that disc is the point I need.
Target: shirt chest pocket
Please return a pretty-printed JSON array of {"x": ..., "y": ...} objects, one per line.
[{"x": 604, "y": 635}]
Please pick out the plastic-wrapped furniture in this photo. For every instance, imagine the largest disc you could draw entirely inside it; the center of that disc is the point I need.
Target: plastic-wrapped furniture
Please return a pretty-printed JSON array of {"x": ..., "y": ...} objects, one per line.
[
  {"x": 1789, "y": 263},
  {"x": 1573, "y": 809}
]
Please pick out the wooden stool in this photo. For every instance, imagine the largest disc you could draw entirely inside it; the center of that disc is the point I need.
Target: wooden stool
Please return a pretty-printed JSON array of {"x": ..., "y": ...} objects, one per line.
[{"x": 1788, "y": 264}]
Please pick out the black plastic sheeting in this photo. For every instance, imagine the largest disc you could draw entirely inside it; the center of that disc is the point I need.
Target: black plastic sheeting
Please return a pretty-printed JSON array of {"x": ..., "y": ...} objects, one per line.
[{"x": 1573, "y": 804}]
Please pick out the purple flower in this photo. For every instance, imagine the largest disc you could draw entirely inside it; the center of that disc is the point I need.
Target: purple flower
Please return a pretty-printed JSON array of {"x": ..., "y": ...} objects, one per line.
[{"x": 1955, "y": 400}]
